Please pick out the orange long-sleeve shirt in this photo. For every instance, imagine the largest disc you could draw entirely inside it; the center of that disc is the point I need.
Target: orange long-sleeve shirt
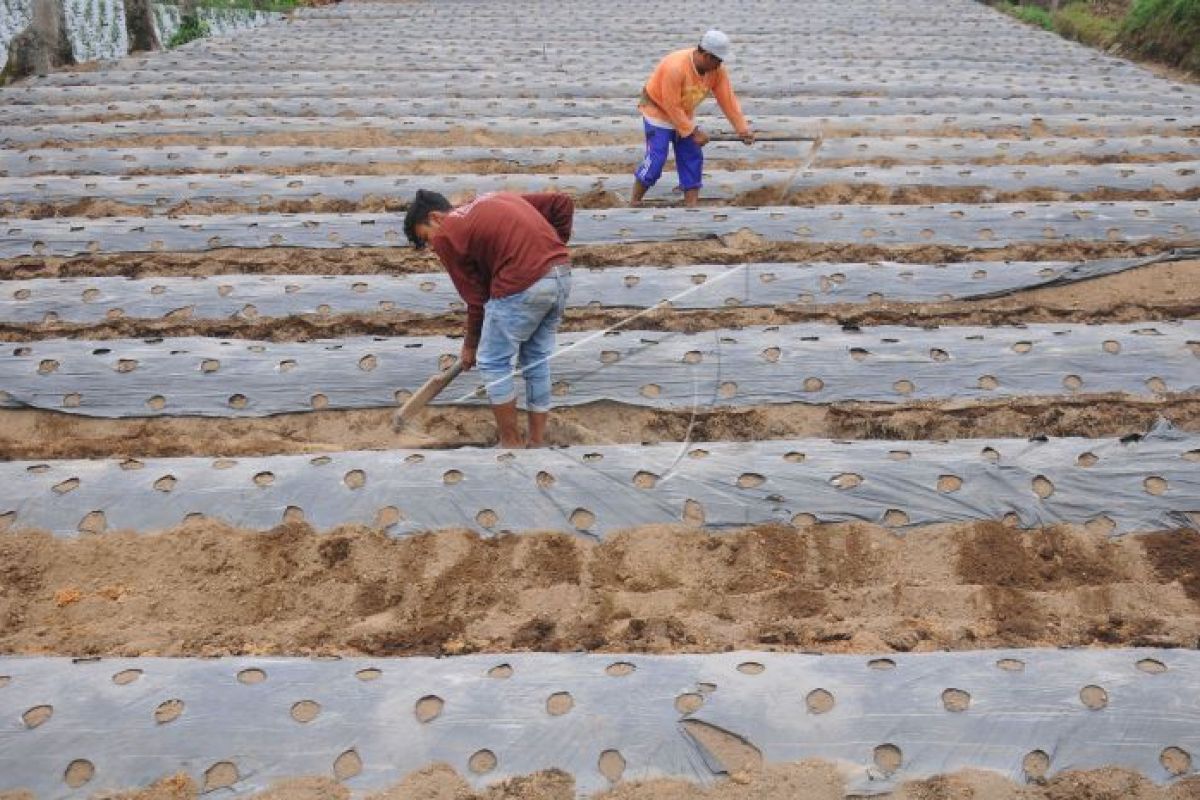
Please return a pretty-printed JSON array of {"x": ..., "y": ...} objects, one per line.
[{"x": 675, "y": 88}]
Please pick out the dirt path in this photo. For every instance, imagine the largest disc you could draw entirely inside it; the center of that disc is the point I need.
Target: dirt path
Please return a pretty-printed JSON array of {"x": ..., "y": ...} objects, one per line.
[
  {"x": 1035, "y": 128},
  {"x": 361, "y": 137},
  {"x": 207, "y": 589},
  {"x": 805, "y": 780},
  {"x": 397, "y": 201},
  {"x": 27, "y": 434},
  {"x": 499, "y": 166},
  {"x": 734, "y": 249}
]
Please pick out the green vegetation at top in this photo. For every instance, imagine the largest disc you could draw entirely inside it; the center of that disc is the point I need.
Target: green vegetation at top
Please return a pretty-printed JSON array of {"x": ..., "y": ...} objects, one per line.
[
  {"x": 252, "y": 5},
  {"x": 1166, "y": 31},
  {"x": 191, "y": 28},
  {"x": 1034, "y": 15},
  {"x": 1076, "y": 21},
  {"x": 192, "y": 25}
]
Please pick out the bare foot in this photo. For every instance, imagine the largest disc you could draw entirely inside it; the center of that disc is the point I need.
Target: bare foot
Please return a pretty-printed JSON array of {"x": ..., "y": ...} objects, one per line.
[{"x": 516, "y": 444}]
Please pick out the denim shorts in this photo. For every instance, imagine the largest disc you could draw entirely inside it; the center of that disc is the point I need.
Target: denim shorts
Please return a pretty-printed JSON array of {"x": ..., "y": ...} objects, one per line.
[{"x": 523, "y": 325}]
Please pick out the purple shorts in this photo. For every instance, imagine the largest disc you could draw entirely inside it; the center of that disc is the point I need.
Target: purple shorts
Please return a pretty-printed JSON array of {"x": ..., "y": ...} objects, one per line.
[{"x": 689, "y": 157}]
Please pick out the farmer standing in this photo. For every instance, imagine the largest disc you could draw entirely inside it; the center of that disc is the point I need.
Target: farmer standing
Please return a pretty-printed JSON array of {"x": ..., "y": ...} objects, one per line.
[
  {"x": 678, "y": 84},
  {"x": 507, "y": 256}
]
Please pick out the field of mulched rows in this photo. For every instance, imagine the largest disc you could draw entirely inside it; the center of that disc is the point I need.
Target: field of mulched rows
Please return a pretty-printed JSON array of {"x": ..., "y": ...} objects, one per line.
[{"x": 877, "y": 472}]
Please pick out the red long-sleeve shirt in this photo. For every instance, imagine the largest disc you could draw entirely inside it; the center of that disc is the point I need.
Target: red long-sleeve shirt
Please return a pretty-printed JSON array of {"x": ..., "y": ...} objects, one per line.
[{"x": 500, "y": 244}]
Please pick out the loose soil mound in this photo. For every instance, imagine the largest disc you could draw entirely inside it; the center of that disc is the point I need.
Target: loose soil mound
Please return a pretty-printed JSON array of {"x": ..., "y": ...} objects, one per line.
[
  {"x": 810, "y": 780},
  {"x": 734, "y": 249},
  {"x": 826, "y": 194},
  {"x": 208, "y": 589},
  {"x": 30, "y": 434}
]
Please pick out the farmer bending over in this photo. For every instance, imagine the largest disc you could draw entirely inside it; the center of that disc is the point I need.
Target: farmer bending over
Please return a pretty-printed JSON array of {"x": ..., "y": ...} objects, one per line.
[
  {"x": 679, "y": 83},
  {"x": 507, "y": 256}
]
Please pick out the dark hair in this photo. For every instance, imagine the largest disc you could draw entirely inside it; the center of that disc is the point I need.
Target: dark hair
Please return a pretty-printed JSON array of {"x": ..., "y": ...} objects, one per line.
[{"x": 424, "y": 203}]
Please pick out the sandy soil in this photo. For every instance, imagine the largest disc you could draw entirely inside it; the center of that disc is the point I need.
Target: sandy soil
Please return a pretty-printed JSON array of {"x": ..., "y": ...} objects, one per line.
[
  {"x": 733, "y": 249},
  {"x": 207, "y": 589},
  {"x": 365, "y": 137},
  {"x": 805, "y": 780},
  {"x": 746, "y": 247},
  {"x": 90, "y": 207},
  {"x": 1157, "y": 292},
  {"x": 874, "y": 193},
  {"x": 376, "y": 137},
  {"x": 1061, "y": 158},
  {"x": 34, "y": 434},
  {"x": 494, "y": 166},
  {"x": 826, "y": 194}
]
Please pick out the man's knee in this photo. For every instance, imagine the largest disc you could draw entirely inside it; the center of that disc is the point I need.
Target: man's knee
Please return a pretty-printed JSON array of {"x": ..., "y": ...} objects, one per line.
[
  {"x": 495, "y": 353},
  {"x": 493, "y": 361},
  {"x": 651, "y": 168},
  {"x": 658, "y": 145}
]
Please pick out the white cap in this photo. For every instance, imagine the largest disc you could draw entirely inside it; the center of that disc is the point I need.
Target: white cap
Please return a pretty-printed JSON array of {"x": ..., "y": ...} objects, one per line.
[{"x": 717, "y": 43}]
